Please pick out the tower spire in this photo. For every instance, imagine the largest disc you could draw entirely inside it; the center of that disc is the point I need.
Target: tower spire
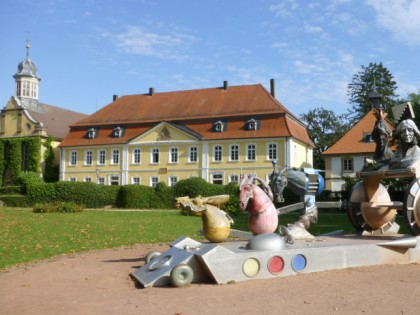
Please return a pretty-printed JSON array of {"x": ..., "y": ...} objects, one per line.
[{"x": 27, "y": 46}]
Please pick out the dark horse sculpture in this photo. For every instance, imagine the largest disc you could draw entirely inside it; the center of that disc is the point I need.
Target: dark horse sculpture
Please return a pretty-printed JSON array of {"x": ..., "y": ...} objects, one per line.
[{"x": 258, "y": 201}]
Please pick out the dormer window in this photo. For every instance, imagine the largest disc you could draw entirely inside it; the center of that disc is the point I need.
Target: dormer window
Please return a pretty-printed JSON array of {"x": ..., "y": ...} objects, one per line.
[
  {"x": 252, "y": 124},
  {"x": 367, "y": 137},
  {"x": 117, "y": 132},
  {"x": 91, "y": 133},
  {"x": 219, "y": 126}
]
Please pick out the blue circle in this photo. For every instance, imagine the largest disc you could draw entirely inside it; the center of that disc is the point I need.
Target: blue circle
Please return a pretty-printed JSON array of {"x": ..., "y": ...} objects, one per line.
[{"x": 299, "y": 263}]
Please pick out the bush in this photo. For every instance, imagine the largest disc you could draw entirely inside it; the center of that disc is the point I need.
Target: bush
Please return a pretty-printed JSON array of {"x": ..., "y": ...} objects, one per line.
[
  {"x": 10, "y": 190},
  {"x": 41, "y": 192},
  {"x": 136, "y": 197},
  {"x": 164, "y": 197},
  {"x": 16, "y": 201},
  {"x": 26, "y": 179},
  {"x": 57, "y": 207},
  {"x": 91, "y": 195}
]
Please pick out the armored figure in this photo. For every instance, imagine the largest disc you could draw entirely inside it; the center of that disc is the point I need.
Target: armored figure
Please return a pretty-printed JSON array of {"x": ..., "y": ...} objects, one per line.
[{"x": 381, "y": 134}]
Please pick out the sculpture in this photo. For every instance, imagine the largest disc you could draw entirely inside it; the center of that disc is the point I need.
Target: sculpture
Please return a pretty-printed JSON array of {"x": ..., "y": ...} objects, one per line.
[
  {"x": 216, "y": 222},
  {"x": 408, "y": 151},
  {"x": 305, "y": 183},
  {"x": 263, "y": 217},
  {"x": 381, "y": 134}
]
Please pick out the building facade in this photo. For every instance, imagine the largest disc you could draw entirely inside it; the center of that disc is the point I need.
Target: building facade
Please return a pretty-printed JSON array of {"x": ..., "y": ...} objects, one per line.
[
  {"x": 216, "y": 134},
  {"x": 25, "y": 121}
]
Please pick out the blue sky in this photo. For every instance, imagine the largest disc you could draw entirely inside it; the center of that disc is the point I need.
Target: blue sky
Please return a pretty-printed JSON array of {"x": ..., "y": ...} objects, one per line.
[{"x": 87, "y": 51}]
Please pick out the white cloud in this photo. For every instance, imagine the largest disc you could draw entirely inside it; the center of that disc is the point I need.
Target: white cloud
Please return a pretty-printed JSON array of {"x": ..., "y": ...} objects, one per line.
[
  {"x": 284, "y": 8},
  {"x": 401, "y": 17},
  {"x": 138, "y": 41}
]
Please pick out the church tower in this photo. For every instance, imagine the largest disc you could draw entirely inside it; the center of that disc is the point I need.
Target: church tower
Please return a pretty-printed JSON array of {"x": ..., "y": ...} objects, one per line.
[{"x": 27, "y": 82}]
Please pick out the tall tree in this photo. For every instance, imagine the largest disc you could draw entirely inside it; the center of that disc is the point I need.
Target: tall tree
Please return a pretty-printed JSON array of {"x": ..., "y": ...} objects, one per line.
[
  {"x": 414, "y": 99},
  {"x": 325, "y": 128},
  {"x": 374, "y": 77}
]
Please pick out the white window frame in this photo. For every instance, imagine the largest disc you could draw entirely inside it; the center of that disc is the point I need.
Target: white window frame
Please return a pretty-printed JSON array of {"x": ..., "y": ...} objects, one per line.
[
  {"x": 154, "y": 152},
  {"x": 231, "y": 178},
  {"x": 173, "y": 155},
  {"x": 217, "y": 153},
  {"x": 101, "y": 155},
  {"x": 154, "y": 180},
  {"x": 115, "y": 156},
  {"x": 114, "y": 178},
  {"x": 87, "y": 179},
  {"x": 345, "y": 165},
  {"x": 251, "y": 148},
  {"x": 88, "y": 157},
  {"x": 272, "y": 146},
  {"x": 216, "y": 174},
  {"x": 73, "y": 158},
  {"x": 101, "y": 180},
  {"x": 234, "y": 149},
  {"x": 172, "y": 180},
  {"x": 136, "y": 156},
  {"x": 193, "y": 154},
  {"x": 72, "y": 179},
  {"x": 136, "y": 180}
]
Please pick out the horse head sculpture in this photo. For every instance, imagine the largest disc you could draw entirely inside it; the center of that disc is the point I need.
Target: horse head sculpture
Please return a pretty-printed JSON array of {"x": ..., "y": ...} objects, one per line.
[{"x": 258, "y": 202}]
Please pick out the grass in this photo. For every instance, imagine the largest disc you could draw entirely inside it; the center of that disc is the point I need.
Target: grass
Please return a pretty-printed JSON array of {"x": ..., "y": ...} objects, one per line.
[{"x": 28, "y": 236}]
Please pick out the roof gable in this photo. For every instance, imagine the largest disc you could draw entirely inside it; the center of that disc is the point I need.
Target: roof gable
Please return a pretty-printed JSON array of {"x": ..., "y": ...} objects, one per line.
[
  {"x": 165, "y": 132},
  {"x": 353, "y": 142}
]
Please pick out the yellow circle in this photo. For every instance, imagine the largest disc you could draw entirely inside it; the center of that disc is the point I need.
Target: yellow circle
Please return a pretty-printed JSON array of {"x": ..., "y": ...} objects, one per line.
[{"x": 251, "y": 267}]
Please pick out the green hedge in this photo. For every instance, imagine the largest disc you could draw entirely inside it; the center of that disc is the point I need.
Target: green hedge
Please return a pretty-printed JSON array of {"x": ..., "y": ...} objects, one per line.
[
  {"x": 91, "y": 195},
  {"x": 11, "y": 190},
  {"x": 16, "y": 201}
]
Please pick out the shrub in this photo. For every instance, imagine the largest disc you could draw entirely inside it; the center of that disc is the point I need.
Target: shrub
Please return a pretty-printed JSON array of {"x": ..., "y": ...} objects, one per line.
[
  {"x": 164, "y": 197},
  {"x": 90, "y": 195},
  {"x": 41, "y": 192},
  {"x": 196, "y": 186},
  {"x": 60, "y": 207},
  {"x": 27, "y": 178},
  {"x": 17, "y": 201},
  {"x": 10, "y": 190},
  {"x": 136, "y": 197}
]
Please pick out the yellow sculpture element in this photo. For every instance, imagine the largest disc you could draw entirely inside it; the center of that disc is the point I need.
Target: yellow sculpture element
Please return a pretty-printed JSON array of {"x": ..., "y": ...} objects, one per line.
[{"x": 216, "y": 222}]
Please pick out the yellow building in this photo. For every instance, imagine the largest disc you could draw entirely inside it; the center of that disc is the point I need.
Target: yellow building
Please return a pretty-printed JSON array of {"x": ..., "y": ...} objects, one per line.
[
  {"x": 26, "y": 124},
  {"x": 215, "y": 133}
]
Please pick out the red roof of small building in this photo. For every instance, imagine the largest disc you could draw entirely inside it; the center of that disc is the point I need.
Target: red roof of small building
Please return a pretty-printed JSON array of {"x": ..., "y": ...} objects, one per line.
[
  {"x": 353, "y": 141},
  {"x": 194, "y": 109}
]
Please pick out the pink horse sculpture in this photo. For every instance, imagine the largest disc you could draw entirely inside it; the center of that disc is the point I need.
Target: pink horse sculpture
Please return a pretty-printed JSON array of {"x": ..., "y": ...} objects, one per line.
[{"x": 263, "y": 216}]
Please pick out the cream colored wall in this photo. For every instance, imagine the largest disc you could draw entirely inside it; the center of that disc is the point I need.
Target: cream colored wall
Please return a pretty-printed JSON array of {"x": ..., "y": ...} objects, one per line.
[
  {"x": 204, "y": 167},
  {"x": 14, "y": 122}
]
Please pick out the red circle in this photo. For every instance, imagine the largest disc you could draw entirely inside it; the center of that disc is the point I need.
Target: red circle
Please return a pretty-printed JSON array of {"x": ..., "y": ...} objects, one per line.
[{"x": 275, "y": 264}]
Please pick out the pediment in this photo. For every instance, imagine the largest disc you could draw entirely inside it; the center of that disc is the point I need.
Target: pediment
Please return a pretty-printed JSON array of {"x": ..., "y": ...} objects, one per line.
[{"x": 166, "y": 132}]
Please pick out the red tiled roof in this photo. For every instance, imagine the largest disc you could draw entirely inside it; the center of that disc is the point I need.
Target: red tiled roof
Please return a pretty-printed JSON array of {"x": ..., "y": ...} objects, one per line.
[
  {"x": 194, "y": 109},
  {"x": 352, "y": 141}
]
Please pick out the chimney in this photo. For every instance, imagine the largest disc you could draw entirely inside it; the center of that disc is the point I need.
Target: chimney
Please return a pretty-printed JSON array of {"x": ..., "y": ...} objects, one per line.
[
  {"x": 151, "y": 91},
  {"x": 225, "y": 85},
  {"x": 114, "y": 97},
  {"x": 272, "y": 88}
]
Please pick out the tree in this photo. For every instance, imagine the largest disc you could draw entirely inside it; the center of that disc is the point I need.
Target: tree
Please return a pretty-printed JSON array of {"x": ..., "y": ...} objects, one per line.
[
  {"x": 324, "y": 128},
  {"x": 414, "y": 99},
  {"x": 374, "y": 77}
]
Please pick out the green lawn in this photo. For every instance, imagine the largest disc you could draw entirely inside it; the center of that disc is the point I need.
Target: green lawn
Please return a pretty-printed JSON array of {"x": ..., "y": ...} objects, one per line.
[{"x": 26, "y": 236}]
